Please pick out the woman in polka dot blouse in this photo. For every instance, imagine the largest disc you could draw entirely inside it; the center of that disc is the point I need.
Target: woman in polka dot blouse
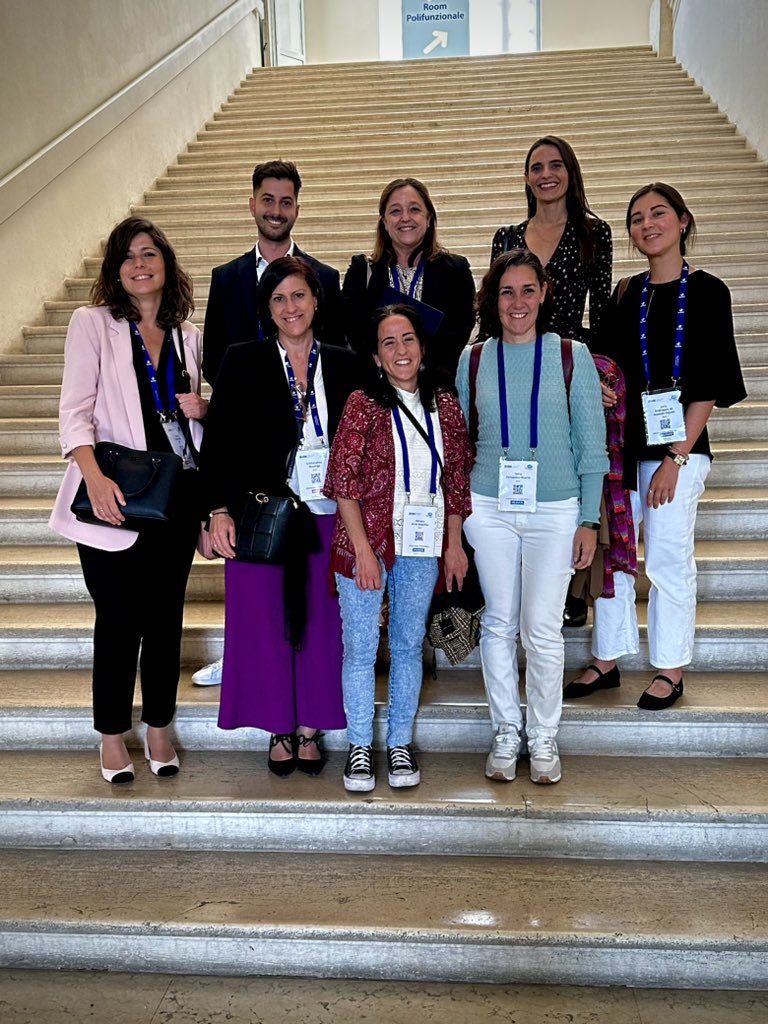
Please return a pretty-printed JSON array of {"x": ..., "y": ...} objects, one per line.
[{"x": 572, "y": 243}]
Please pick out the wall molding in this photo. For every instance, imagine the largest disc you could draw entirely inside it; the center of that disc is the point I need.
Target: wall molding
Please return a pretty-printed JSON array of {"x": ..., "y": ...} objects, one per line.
[{"x": 32, "y": 176}]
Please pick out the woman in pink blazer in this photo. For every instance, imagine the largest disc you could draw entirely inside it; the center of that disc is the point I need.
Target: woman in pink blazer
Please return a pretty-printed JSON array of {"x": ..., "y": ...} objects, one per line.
[{"x": 132, "y": 376}]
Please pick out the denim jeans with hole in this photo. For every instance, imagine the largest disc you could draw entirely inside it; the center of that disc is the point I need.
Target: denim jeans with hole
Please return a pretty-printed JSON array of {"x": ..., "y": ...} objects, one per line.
[{"x": 410, "y": 582}]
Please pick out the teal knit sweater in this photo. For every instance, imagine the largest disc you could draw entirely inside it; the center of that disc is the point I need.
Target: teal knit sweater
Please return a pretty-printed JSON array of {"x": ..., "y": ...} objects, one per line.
[{"x": 571, "y": 454}]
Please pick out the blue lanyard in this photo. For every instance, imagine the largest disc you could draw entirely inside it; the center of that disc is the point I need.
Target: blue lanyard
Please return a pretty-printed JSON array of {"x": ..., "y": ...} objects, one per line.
[
  {"x": 406, "y": 460},
  {"x": 165, "y": 414},
  {"x": 682, "y": 302},
  {"x": 535, "y": 388},
  {"x": 414, "y": 280},
  {"x": 298, "y": 408}
]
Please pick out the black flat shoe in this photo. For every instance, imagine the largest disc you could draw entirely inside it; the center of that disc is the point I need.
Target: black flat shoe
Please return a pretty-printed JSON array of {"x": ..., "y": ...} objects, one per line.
[
  {"x": 575, "y": 611},
  {"x": 605, "y": 681},
  {"x": 288, "y": 742},
  {"x": 650, "y": 702},
  {"x": 314, "y": 765}
]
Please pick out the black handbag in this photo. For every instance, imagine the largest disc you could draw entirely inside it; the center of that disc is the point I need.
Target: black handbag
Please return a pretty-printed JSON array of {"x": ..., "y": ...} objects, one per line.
[
  {"x": 264, "y": 531},
  {"x": 148, "y": 480}
]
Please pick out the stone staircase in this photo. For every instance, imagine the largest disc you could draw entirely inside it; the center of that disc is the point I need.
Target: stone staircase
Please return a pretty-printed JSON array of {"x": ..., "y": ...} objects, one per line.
[{"x": 645, "y": 865}]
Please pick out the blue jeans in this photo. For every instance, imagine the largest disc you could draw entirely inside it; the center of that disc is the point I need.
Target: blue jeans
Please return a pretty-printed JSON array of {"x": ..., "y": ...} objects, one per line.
[{"x": 411, "y": 582}]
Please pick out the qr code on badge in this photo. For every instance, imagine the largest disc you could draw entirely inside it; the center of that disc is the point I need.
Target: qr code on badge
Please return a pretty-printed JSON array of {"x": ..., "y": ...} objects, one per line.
[
  {"x": 517, "y": 488},
  {"x": 418, "y": 535},
  {"x": 316, "y": 479},
  {"x": 665, "y": 424}
]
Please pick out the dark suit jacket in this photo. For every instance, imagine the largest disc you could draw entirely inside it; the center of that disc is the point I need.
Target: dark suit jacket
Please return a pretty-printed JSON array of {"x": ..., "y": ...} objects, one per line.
[
  {"x": 232, "y": 314},
  {"x": 250, "y": 428},
  {"x": 448, "y": 285}
]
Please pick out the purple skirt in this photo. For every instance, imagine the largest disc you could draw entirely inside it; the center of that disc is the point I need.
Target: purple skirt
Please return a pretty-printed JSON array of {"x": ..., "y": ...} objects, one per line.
[{"x": 265, "y": 683}]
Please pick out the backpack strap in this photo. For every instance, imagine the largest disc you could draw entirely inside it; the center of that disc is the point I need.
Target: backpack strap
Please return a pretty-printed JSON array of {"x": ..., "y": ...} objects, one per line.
[
  {"x": 566, "y": 354},
  {"x": 621, "y": 288},
  {"x": 474, "y": 363}
]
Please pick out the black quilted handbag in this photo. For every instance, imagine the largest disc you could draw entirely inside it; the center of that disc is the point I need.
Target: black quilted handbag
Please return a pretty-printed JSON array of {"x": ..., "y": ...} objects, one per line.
[
  {"x": 265, "y": 528},
  {"x": 148, "y": 481}
]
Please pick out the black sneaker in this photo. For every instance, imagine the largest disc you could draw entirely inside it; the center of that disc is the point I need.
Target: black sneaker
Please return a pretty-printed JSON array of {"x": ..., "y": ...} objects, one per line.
[
  {"x": 403, "y": 767},
  {"x": 358, "y": 771}
]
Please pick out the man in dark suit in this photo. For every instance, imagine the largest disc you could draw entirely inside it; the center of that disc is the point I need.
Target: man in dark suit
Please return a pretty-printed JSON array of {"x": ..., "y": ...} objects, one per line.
[{"x": 232, "y": 314}]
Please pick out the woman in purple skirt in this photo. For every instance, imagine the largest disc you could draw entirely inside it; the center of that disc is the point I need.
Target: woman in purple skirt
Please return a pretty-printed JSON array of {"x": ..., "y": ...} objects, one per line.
[{"x": 282, "y": 639}]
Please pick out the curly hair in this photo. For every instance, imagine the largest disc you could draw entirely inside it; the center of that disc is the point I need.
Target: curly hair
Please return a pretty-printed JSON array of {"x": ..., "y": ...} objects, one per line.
[
  {"x": 677, "y": 203},
  {"x": 176, "y": 304},
  {"x": 579, "y": 213},
  {"x": 487, "y": 302},
  {"x": 429, "y": 247},
  {"x": 275, "y": 274},
  {"x": 377, "y": 385}
]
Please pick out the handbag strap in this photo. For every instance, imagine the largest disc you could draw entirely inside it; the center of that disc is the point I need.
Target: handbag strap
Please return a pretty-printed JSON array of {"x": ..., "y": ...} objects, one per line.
[{"x": 423, "y": 433}]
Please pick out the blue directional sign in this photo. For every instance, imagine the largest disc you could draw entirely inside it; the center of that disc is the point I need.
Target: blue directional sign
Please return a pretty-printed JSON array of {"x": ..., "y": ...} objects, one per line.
[{"x": 433, "y": 28}]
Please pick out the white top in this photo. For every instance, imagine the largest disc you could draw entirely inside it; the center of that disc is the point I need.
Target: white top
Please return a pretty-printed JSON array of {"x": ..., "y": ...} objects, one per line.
[
  {"x": 262, "y": 264},
  {"x": 420, "y": 459},
  {"x": 320, "y": 506}
]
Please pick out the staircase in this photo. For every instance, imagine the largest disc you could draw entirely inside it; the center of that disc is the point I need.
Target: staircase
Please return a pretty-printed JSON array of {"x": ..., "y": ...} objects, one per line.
[{"x": 645, "y": 865}]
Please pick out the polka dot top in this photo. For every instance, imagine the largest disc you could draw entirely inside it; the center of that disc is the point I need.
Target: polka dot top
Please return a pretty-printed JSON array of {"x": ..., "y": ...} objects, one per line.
[{"x": 571, "y": 278}]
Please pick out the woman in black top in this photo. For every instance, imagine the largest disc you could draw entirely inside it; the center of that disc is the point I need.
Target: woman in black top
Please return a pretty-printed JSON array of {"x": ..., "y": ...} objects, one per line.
[
  {"x": 407, "y": 258},
  {"x": 574, "y": 246},
  {"x": 664, "y": 468}
]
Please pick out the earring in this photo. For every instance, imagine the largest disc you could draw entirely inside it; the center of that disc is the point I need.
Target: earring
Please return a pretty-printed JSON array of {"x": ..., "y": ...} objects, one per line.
[
  {"x": 422, "y": 368},
  {"x": 381, "y": 374}
]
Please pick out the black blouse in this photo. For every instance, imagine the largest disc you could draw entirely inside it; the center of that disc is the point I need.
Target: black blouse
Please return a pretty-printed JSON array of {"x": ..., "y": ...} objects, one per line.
[
  {"x": 710, "y": 369},
  {"x": 571, "y": 278}
]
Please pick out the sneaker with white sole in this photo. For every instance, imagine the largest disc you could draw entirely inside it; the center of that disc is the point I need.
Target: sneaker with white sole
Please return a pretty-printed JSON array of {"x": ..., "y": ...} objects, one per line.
[
  {"x": 358, "y": 771},
  {"x": 403, "y": 767},
  {"x": 545, "y": 760},
  {"x": 209, "y": 675},
  {"x": 501, "y": 763}
]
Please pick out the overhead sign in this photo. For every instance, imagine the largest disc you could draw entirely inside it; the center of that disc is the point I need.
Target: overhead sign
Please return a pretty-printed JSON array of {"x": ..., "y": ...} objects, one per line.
[{"x": 435, "y": 29}]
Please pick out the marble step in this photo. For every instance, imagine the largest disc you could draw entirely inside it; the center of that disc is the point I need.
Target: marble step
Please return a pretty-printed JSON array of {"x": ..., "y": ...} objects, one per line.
[
  {"x": 425, "y": 917},
  {"x": 729, "y": 634},
  {"x": 724, "y": 513},
  {"x": 605, "y": 808},
  {"x": 734, "y": 570},
  {"x": 722, "y": 714}
]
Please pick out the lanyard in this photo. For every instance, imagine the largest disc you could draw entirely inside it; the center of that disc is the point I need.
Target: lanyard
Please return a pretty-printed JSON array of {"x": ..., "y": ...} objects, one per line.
[
  {"x": 406, "y": 461},
  {"x": 535, "y": 387},
  {"x": 169, "y": 414},
  {"x": 298, "y": 409},
  {"x": 682, "y": 301},
  {"x": 414, "y": 279}
]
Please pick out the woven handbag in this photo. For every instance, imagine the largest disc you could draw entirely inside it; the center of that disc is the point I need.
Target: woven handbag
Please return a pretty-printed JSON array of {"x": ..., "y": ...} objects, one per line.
[
  {"x": 265, "y": 527},
  {"x": 148, "y": 481}
]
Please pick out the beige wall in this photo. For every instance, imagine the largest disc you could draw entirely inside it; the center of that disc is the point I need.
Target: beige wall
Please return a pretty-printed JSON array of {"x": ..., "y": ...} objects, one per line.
[
  {"x": 722, "y": 44},
  {"x": 341, "y": 30},
  {"x": 50, "y": 234},
  {"x": 581, "y": 24}
]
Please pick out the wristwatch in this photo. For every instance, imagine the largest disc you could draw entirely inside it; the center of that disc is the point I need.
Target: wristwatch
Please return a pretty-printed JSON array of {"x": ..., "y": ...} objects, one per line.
[
  {"x": 679, "y": 458},
  {"x": 591, "y": 526}
]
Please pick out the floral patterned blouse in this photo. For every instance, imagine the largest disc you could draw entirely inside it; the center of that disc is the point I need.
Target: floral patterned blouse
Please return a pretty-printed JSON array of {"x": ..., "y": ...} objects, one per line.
[{"x": 571, "y": 278}]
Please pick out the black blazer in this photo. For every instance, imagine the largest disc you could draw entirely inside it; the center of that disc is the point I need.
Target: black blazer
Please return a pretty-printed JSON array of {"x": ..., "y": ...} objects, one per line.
[
  {"x": 250, "y": 428},
  {"x": 447, "y": 285},
  {"x": 232, "y": 313}
]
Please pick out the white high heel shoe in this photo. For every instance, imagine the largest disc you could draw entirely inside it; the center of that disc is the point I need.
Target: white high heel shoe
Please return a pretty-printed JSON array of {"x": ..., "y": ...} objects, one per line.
[
  {"x": 165, "y": 769},
  {"x": 116, "y": 776}
]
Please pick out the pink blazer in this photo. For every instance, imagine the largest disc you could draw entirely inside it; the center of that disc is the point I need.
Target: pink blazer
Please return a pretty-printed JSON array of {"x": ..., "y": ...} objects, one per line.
[{"x": 100, "y": 402}]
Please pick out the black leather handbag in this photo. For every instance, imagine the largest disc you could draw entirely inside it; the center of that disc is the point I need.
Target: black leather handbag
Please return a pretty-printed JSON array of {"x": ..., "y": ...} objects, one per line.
[
  {"x": 263, "y": 534},
  {"x": 148, "y": 480}
]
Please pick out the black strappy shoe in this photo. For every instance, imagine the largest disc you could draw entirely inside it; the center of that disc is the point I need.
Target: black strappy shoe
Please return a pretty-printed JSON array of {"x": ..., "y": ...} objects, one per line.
[
  {"x": 650, "y": 702},
  {"x": 287, "y": 740},
  {"x": 605, "y": 681},
  {"x": 310, "y": 766}
]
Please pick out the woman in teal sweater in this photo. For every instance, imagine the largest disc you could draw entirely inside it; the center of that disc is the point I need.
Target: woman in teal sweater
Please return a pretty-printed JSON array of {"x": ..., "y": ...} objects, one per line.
[{"x": 536, "y": 488}]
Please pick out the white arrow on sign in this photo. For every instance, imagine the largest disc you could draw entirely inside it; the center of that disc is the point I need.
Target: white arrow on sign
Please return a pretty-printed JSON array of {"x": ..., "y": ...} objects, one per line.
[{"x": 441, "y": 39}]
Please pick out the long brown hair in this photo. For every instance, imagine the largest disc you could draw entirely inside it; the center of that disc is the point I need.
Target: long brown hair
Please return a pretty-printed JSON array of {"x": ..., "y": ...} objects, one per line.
[
  {"x": 430, "y": 248},
  {"x": 677, "y": 203},
  {"x": 176, "y": 303},
  {"x": 487, "y": 302},
  {"x": 579, "y": 213}
]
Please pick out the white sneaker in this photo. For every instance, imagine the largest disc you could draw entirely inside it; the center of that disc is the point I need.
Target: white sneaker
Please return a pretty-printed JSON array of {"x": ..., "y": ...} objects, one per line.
[
  {"x": 545, "y": 760},
  {"x": 502, "y": 760},
  {"x": 209, "y": 675}
]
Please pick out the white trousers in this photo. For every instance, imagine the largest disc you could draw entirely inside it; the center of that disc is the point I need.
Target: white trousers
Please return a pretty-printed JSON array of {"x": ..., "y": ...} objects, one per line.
[
  {"x": 524, "y": 561},
  {"x": 668, "y": 535}
]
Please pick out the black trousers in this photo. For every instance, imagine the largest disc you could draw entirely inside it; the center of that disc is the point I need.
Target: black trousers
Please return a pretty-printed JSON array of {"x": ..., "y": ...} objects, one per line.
[{"x": 139, "y": 599}]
